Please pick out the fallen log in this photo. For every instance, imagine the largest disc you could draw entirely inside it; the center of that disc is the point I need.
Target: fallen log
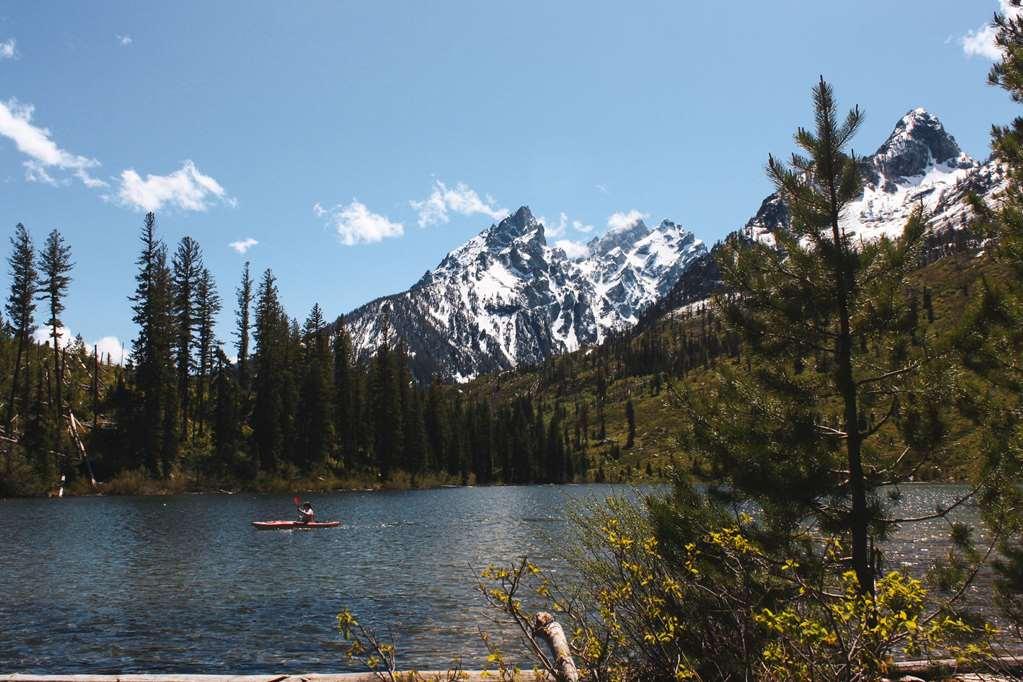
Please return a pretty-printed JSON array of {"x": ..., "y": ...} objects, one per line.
[{"x": 551, "y": 631}]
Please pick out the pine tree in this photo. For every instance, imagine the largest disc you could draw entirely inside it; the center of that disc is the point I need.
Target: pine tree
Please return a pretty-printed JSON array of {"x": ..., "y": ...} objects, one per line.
[
  {"x": 187, "y": 267},
  {"x": 798, "y": 443},
  {"x": 990, "y": 335},
  {"x": 243, "y": 330},
  {"x": 152, "y": 353},
  {"x": 226, "y": 416},
  {"x": 345, "y": 416},
  {"x": 386, "y": 399},
  {"x": 271, "y": 336},
  {"x": 316, "y": 421},
  {"x": 20, "y": 307},
  {"x": 207, "y": 308},
  {"x": 54, "y": 268},
  {"x": 630, "y": 418}
]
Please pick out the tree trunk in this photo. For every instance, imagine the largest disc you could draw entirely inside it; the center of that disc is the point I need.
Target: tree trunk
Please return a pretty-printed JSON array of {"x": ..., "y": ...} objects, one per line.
[
  {"x": 9, "y": 419},
  {"x": 551, "y": 631}
]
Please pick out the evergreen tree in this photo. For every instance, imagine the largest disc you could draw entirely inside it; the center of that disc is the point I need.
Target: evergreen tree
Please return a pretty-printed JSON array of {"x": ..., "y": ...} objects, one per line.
[
  {"x": 226, "y": 417},
  {"x": 798, "y": 444},
  {"x": 271, "y": 336},
  {"x": 243, "y": 331},
  {"x": 207, "y": 308},
  {"x": 316, "y": 402},
  {"x": 345, "y": 416},
  {"x": 990, "y": 335},
  {"x": 187, "y": 267},
  {"x": 155, "y": 437},
  {"x": 54, "y": 268},
  {"x": 20, "y": 308},
  {"x": 630, "y": 418},
  {"x": 386, "y": 400}
]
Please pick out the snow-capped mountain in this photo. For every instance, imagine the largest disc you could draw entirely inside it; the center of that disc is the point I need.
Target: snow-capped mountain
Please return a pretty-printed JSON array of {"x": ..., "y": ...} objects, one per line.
[
  {"x": 506, "y": 297},
  {"x": 920, "y": 164}
]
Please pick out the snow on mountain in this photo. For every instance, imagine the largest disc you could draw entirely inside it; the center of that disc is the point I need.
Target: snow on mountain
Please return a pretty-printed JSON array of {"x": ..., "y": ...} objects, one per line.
[
  {"x": 919, "y": 164},
  {"x": 506, "y": 297}
]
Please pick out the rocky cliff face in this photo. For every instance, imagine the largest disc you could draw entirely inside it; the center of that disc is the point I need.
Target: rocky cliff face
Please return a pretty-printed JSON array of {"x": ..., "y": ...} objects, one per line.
[{"x": 506, "y": 297}]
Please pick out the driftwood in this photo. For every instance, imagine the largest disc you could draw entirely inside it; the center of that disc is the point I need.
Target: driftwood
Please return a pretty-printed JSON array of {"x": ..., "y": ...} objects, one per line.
[
  {"x": 551, "y": 631},
  {"x": 941, "y": 669}
]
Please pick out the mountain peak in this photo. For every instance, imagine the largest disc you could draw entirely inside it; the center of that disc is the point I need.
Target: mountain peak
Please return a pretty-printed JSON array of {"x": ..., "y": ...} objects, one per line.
[
  {"x": 918, "y": 141},
  {"x": 621, "y": 236}
]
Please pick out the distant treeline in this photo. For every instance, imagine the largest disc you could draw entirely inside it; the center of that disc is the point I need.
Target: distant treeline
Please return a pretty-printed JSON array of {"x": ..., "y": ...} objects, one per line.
[{"x": 293, "y": 403}]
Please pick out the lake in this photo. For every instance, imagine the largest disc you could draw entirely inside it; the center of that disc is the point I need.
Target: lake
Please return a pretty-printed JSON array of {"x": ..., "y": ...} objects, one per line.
[{"x": 184, "y": 584}]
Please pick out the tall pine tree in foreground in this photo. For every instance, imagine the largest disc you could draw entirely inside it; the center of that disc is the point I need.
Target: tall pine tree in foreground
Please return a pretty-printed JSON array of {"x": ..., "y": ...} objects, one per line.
[
  {"x": 837, "y": 401},
  {"x": 990, "y": 336},
  {"x": 20, "y": 309}
]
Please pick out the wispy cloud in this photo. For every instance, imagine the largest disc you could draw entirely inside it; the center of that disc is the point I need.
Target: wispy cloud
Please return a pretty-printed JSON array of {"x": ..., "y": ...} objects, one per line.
[
  {"x": 621, "y": 221},
  {"x": 981, "y": 42},
  {"x": 601, "y": 188},
  {"x": 356, "y": 224},
  {"x": 124, "y": 40},
  {"x": 45, "y": 157},
  {"x": 574, "y": 250},
  {"x": 186, "y": 188},
  {"x": 461, "y": 199},
  {"x": 243, "y": 245},
  {"x": 9, "y": 49},
  {"x": 559, "y": 228}
]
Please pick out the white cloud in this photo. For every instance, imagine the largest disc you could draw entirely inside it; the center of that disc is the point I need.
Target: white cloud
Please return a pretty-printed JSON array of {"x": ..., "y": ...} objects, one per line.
[
  {"x": 110, "y": 346},
  {"x": 461, "y": 198},
  {"x": 43, "y": 154},
  {"x": 573, "y": 250},
  {"x": 621, "y": 221},
  {"x": 601, "y": 188},
  {"x": 356, "y": 224},
  {"x": 981, "y": 42},
  {"x": 124, "y": 40},
  {"x": 557, "y": 229},
  {"x": 8, "y": 49},
  {"x": 107, "y": 345},
  {"x": 186, "y": 188},
  {"x": 42, "y": 335},
  {"x": 242, "y": 246}
]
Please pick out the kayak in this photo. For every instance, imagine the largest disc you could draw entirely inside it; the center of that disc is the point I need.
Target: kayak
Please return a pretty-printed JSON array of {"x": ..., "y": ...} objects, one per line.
[{"x": 284, "y": 525}]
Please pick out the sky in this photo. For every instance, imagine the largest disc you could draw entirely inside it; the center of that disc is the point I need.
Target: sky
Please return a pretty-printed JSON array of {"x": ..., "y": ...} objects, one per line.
[{"x": 348, "y": 146}]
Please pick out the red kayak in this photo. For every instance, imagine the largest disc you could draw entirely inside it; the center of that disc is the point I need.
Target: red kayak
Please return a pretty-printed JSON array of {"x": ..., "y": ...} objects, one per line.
[{"x": 285, "y": 525}]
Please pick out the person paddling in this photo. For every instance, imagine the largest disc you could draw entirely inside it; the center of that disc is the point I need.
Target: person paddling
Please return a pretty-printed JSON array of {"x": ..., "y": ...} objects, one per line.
[{"x": 306, "y": 513}]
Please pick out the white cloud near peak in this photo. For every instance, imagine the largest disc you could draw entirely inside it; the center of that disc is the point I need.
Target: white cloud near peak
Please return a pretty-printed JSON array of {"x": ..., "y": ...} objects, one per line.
[
  {"x": 356, "y": 224},
  {"x": 45, "y": 157},
  {"x": 553, "y": 229},
  {"x": 461, "y": 199},
  {"x": 186, "y": 188},
  {"x": 124, "y": 40},
  {"x": 622, "y": 221},
  {"x": 242, "y": 246},
  {"x": 9, "y": 49},
  {"x": 574, "y": 250},
  {"x": 981, "y": 42}
]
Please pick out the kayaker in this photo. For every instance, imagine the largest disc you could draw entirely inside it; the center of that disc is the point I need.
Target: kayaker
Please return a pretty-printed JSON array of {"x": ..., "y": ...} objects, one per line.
[{"x": 306, "y": 513}]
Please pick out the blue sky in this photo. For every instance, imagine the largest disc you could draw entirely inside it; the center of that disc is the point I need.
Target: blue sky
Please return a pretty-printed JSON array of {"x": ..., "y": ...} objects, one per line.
[{"x": 358, "y": 142}]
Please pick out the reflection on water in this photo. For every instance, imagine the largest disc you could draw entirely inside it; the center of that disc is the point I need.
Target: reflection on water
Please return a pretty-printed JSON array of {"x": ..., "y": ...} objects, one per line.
[{"x": 185, "y": 584}]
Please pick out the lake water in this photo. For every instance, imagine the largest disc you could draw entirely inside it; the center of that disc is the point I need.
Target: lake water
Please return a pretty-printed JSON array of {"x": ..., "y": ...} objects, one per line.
[{"x": 185, "y": 584}]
